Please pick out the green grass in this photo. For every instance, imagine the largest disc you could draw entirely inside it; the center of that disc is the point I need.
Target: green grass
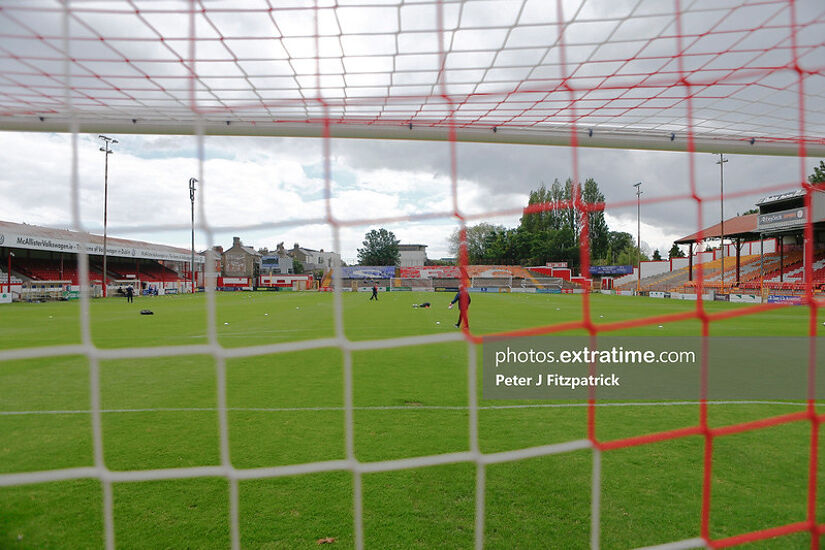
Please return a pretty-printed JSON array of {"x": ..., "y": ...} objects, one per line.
[{"x": 288, "y": 409}]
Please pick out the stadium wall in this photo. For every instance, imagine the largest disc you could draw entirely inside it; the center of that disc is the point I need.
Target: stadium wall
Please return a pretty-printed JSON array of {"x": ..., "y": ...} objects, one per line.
[{"x": 655, "y": 268}]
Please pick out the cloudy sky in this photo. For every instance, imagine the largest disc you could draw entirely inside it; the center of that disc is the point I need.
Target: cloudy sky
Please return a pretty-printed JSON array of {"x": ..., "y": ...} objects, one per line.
[{"x": 251, "y": 182}]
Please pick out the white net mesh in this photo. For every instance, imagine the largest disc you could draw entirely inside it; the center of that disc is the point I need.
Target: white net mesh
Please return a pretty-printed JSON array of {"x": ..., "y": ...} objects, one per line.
[
  {"x": 691, "y": 75},
  {"x": 618, "y": 73}
]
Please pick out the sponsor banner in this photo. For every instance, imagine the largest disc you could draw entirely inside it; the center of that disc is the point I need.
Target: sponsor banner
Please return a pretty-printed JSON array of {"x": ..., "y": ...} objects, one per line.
[
  {"x": 556, "y": 264},
  {"x": 783, "y": 218},
  {"x": 548, "y": 290},
  {"x": 430, "y": 272},
  {"x": 446, "y": 289},
  {"x": 720, "y": 297},
  {"x": 578, "y": 291},
  {"x": 610, "y": 269},
  {"x": 369, "y": 289},
  {"x": 234, "y": 281},
  {"x": 606, "y": 292},
  {"x": 567, "y": 291},
  {"x": 284, "y": 280},
  {"x": 401, "y": 289},
  {"x": 5, "y": 297},
  {"x": 368, "y": 272},
  {"x": 36, "y": 242},
  {"x": 171, "y": 291},
  {"x": 745, "y": 299},
  {"x": 493, "y": 289},
  {"x": 529, "y": 290},
  {"x": 784, "y": 299},
  {"x": 625, "y": 293},
  {"x": 677, "y": 296},
  {"x": 497, "y": 271}
]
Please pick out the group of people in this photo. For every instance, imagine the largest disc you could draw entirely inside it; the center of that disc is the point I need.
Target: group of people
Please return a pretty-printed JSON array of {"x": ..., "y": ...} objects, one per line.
[{"x": 462, "y": 298}]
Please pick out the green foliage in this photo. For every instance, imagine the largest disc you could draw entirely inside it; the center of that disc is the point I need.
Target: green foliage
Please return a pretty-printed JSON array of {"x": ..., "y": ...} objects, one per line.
[
  {"x": 297, "y": 267},
  {"x": 675, "y": 252},
  {"x": 819, "y": 173},
  {"x": 380, "y": 248},
  {"x": 630, "y": 256},
  {"x": 551, "y": 231},
  {"x": 656, "y": 255},
  {"x": 478, "y": 238}
]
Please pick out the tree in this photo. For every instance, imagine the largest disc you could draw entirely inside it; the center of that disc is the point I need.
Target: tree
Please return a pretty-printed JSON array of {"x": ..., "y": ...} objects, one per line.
[
  {"x": 675, "y": 252},
  {"x": 819, "y": 173},
  {"x": 751, "y": 211},
  {"x": 380, "y": 248},
  {"x": 617, "y": 242},
  {"x": 656, "y": 256},
  {"x": 264, "y": 251},
  {"x": 297, "y": 267},
  {"x": 478, "y": 239},
  {"x": 597, "y": 226},
  {"x": 629, "y": 256}
]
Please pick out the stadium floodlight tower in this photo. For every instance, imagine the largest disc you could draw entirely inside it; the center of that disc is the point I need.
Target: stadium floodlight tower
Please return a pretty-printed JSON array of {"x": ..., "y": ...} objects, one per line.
[
  {"x": 192, "y": 182},
  {"x": 721, "y": 162},
  {"x": 107, "y": 143},
  {"x": 638, "y": 187}
]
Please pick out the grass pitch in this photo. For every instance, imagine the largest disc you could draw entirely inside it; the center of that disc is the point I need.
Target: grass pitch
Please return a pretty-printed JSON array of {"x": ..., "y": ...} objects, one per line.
[{"x": 288, "y": 409}]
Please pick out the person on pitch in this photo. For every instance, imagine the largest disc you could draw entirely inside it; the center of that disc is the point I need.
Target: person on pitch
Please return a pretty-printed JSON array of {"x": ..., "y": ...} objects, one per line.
[
  {"x": 130, "y": 294},
  {"x": 425, "y": 305},
  {"x": 374, "y": 292},
  {"x": 463, "y": 299}
]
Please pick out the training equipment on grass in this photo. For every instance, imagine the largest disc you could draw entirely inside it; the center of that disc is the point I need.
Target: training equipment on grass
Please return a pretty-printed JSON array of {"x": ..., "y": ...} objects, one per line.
[{"x": 683, "y": 76}]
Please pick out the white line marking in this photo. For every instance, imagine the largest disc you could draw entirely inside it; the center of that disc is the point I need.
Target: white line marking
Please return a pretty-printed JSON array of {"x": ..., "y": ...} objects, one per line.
[{"x": 406, "y": 407}]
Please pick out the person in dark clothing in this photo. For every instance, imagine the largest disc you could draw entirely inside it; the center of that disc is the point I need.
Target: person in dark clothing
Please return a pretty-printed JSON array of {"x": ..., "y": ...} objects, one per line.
[
  {"x": 425, "y": 305},
  {"x": 374, "y": 293},
  {"x": 463, "y": 299},
  {"x": 130, "y": 294}
]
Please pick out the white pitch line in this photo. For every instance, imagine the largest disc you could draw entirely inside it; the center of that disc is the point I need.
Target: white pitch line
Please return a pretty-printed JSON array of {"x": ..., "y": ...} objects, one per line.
[{"x": 404, "y": 407}]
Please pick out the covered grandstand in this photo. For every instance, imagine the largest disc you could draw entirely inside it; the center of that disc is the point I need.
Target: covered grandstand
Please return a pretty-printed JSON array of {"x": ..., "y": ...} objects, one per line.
[
  {"x": 42, "y": 263},
  {"x": 763, "y": 252}
]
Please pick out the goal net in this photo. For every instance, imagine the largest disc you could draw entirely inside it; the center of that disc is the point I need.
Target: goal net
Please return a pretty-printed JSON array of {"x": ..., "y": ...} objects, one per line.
[{"x": 687, "y": 76}]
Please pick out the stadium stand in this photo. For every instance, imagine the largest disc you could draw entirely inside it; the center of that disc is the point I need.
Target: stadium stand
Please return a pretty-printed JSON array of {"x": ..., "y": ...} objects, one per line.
[{"x": 46, "y": 269}]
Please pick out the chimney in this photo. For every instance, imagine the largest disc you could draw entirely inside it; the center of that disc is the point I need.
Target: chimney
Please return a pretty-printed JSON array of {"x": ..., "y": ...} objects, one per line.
[{"x": 236, "y": 241}]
